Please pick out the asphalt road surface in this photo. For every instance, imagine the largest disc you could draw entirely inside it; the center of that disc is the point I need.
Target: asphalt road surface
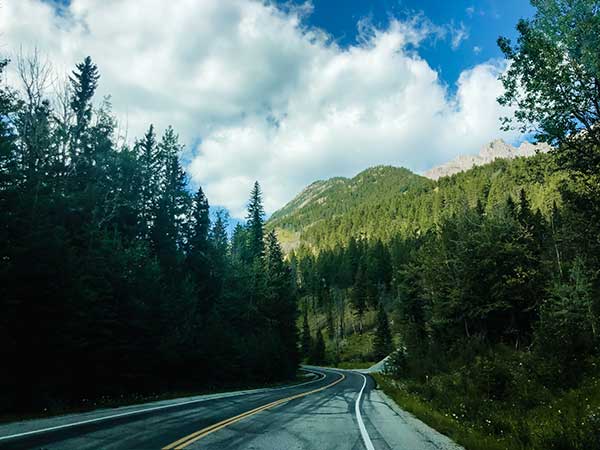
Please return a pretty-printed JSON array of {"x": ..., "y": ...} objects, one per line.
[{"x": 339, "y": 410}]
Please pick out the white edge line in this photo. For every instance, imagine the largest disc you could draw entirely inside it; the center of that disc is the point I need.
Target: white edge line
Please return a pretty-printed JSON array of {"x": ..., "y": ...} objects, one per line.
[
  {"x": 156, "y": 408},
  {"x": 361, "y": 426}
]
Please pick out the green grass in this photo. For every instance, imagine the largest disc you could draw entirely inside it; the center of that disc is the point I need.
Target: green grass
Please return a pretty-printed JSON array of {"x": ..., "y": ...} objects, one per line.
[
  {"x": 568, "y": 420},
  {"x": 445, "y": 423},
  {"x": 354, "y": 350},
  {"x": 354, "y": 365}
]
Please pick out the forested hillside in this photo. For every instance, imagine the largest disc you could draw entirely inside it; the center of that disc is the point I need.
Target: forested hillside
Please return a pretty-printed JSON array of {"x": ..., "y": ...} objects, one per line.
[
  {"x": 113, "y": 278},
  {"x": 378, "y": 219},
  {"x": 492, "y": 294},
  {"x": 491, "y": 277},
  {"x": 385, "y": 202}
]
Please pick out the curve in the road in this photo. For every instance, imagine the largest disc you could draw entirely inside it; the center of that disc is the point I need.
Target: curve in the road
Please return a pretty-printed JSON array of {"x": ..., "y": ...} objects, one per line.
[{"x": 193, "y": 437}]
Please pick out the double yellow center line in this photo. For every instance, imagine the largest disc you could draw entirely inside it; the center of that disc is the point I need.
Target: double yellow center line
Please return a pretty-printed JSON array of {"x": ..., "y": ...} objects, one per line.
[{"x": 191, "y": 438}]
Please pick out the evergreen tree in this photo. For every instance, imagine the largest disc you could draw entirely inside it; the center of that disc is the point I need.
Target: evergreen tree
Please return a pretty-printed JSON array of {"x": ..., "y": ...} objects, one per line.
[
  {"x": 318, "y": 350},
  {"x": 200, "y": 225},
  {"x": 169, "y": 232},
  {"x": 149, "y": 167},
  {"x": 239, "y": 243},
  {"x": 108, "y": 242},
  {"x": 255, "y": 224},
  {"x": 281, "y": 305},
  {"x": 359, "y": 296},
  {"x": 306, "y": 340},
  {"x": 382, "y": 344},
  {"x": 84, "y": 81}
]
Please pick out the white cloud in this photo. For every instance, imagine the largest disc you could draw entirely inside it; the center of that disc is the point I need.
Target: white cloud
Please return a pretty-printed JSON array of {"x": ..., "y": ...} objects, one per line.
[
  {"x": 270, "y": 98},
  {"x": 458, "y": 34}
]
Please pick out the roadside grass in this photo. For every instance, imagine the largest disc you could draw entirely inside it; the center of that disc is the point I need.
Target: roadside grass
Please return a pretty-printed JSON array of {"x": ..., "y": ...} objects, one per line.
[
  {"x": 354, "y": 364},
  {"x": 106, "y": 402},
  {"x": 566, "y": 421},
  {"x": 354, "y": 348},
  {"x": 445, "y": 423}
]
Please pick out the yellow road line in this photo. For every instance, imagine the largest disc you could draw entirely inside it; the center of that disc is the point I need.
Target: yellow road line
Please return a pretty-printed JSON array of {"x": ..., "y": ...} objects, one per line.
[{"x": 191, "y": 438}]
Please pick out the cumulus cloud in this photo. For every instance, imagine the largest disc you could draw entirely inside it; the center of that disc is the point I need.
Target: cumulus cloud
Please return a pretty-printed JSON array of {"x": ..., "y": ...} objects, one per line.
[{"x": 266, "y": 96}]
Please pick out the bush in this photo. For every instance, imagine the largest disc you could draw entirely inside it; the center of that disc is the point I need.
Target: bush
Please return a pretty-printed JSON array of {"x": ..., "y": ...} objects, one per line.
[{"x": 397, "y": 364}]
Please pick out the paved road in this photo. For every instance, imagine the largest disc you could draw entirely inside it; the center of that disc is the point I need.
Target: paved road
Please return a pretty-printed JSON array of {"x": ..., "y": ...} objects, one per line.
[{"x": 340, "y": 410}]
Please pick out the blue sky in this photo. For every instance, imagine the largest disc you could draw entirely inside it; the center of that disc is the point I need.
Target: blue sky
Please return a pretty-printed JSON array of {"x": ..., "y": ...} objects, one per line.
[
  {"x": 484, "y": 21},
  {"x": 286, "y": 92}
]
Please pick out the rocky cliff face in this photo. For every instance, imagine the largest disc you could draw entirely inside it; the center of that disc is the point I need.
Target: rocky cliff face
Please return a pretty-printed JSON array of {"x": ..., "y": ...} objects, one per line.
[{"x": 494, "y": 150}]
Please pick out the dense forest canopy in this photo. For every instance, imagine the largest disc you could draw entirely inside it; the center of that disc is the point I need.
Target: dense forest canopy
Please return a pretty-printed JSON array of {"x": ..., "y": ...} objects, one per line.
[
  {"x": 113, "y": 278},
  {"x": 387, "y": 202}
]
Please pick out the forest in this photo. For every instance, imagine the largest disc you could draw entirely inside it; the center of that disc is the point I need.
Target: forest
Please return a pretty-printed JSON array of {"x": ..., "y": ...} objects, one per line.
[
  {"x": 115, "y": 279},
  {"x": 493, "y": 291},
  {"x": 482, "y": 289}
]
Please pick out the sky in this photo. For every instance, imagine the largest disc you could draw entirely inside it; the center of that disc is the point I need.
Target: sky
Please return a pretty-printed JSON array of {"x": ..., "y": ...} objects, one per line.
[{"x": 285, "y": 93}]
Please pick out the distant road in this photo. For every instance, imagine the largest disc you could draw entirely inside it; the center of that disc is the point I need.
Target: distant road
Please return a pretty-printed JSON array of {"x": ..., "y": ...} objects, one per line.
[{"x": 339, "y": 410}]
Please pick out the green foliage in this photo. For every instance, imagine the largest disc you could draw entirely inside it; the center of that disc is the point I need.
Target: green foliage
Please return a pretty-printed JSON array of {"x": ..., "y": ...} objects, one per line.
[
  {"x": 553, "y": 79},
  {"x": 317, "y": 355},
  {"x": 568, "y": 326},
  {"x": 522, "y": 415},
  {"x": 112, "y": 277},
  {"x": 384, "y": 203},
  {"x": 498, "y": 305},
  {"x": 446, "y": 423},
  {"x": 495, "y": 306},
  {"x": 382, "y": 344},
  {"x": 306, "y": 340},
  {"x": 397, "y": 363},
  {"x": 255, "y": 223},
  {"x": 84, "y": 81}
]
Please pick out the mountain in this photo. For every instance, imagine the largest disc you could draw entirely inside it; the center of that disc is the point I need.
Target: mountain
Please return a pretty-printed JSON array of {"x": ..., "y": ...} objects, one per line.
[
  {"x": 497, "y": 149},
  {"x": 384, "y": 202},
  {"x": 332, "y": 201}
]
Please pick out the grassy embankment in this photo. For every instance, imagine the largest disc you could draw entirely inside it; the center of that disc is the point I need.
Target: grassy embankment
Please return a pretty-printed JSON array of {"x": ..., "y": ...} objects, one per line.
[
  {"x": 354, "y": 350},
  {"x": 532, "y": 419}
]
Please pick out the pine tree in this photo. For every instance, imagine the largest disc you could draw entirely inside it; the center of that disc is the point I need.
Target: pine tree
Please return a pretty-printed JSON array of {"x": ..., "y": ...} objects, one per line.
[
  {"x": 84, "y": 81},
  {"x": 149, "y": 169},
  {"x": 239, "y": 244},
  {"x": 524, "y": 214},
  {"x": 200, "y": 225},
  {"x": 123, "y": 258},
  {"x": 281, "y": 304},
  {"x": 255, "y": 223},
  {"x": 218, "y": 235},
  {"x": 199, "y": 257},
  {"x": 219, "y": 243},
  {"x": 306, "y": 340},
  {"x": 318, "y": 350},
  {"x": 382, "y": 344},
  {"x": 169, "y": 232},
  {"x": 359, "y": 296}
]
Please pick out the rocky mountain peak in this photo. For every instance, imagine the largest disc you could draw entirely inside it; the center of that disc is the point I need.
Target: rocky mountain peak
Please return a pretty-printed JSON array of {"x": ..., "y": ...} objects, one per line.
[{"x": 496, "y": 149}]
